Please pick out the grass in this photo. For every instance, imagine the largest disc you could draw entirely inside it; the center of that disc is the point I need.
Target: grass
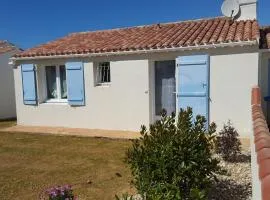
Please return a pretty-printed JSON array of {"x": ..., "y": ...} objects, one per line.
[{"x": 31, "y": 163}]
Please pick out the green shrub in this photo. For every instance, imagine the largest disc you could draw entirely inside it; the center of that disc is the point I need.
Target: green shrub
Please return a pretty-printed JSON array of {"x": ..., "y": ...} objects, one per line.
[
  {"x": 228, "y": 144},
  {"x": 172, "y": 160}
]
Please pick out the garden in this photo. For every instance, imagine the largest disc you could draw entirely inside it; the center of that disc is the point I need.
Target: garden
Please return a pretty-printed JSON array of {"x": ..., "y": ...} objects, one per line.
[
  {"x": 181, "y": 158},
  {"x": 177, "y": 158}
]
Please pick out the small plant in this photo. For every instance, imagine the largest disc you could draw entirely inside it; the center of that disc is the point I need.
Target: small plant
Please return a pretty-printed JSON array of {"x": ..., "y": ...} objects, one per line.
[
  {"x": 173, "y": 161},
  {"x": 228, "y": 144},
  {"x": 124, "y": 197},
  {"x": 61, "y": 193}
]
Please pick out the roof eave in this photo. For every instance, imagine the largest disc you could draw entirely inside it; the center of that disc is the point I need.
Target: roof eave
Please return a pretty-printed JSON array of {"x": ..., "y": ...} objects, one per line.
[{"x": 143, "y": 51}]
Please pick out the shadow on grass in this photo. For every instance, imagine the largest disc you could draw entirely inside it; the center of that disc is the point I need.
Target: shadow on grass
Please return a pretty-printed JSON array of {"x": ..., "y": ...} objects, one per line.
[
  {"x": 229, "y": 190},
  {"x": 5, "y": 123}
]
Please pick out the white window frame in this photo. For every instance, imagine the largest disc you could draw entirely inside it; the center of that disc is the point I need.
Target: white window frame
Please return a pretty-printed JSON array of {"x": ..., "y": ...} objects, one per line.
[
  {"x": 98, "y": 74},
  {"x": 58, "y": 86}
]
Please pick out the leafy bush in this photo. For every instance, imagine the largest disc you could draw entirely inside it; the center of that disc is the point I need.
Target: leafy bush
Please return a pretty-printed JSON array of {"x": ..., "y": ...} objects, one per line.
[
  {"x": 172, "y": 160},
  {"x": 61, "y": 193},
  {"x": 228, "y": 143}
]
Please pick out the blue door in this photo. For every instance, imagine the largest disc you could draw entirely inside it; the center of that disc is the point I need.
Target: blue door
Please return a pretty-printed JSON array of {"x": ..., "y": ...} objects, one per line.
[{"x": 193, "y": 84}]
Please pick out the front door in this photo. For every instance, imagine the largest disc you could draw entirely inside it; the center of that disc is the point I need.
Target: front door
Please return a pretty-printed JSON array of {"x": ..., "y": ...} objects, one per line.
[{"x": 192, "y": 84}]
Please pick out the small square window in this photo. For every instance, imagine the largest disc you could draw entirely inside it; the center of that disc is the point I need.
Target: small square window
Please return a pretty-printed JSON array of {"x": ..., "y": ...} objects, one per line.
[{"x": 103, "y": 73}]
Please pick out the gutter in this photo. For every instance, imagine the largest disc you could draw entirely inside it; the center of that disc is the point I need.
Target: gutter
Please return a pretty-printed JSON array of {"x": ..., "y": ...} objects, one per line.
[{"x": 198, "y": 47}]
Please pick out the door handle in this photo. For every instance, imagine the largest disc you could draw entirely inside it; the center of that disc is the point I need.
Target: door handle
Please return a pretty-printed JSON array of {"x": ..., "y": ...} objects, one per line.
[{"x": 176, "y": 94}]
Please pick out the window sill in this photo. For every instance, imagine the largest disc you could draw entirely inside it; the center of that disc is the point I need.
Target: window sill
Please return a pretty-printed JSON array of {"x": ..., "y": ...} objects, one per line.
[
  {"x": 56, "y": 102},
  {"x": 103, "y": 85}
]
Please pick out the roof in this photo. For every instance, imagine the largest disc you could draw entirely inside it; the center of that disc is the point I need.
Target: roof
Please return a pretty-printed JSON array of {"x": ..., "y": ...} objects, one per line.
[
  {"x": 262, "y": 144},
  {"x": 6, "y": 46},
  {"x": 158, "y": 36},
  {"x": 265, "y": 37}
]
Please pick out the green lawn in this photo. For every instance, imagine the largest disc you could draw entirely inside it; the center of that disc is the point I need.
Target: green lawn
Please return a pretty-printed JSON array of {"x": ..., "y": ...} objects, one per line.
[{"x": 30, "y": 163}]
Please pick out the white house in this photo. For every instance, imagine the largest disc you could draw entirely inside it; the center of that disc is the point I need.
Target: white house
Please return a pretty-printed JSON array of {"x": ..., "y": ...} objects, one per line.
[
  {"x": 7, "y": 91},
  {"x": 121, "y": 78}
]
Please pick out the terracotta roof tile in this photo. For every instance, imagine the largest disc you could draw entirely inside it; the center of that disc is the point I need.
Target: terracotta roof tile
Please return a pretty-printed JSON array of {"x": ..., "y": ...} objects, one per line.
[
  {"x": 203, "y": 33},
  {"x": 239, "y": 32},
  {"x": 247, "y": 31},
  {"x": 232, "y": 32},
  {"x": 262, "y": 143},
  {"x": 5, "y": 46},
  {"x": 215, "y": 30},
  {"x": 158, "y": 36}
]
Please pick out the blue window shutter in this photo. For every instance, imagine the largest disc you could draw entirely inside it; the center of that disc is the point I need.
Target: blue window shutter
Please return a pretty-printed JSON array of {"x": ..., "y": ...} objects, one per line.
[
  {"x": 75, "y": 83},
  {"x": 29, "y": 84}
]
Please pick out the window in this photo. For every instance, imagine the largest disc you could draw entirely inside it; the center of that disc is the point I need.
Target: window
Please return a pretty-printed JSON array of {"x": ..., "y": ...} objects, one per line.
[
  {"x": 56, "y": 83},
  {"x": 165, "y": 87},
  {"x": 103, "y": 73}
]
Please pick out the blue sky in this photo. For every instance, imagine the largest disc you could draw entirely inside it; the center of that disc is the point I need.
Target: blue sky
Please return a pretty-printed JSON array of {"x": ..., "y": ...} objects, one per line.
[{"x": 28, "y": 23}]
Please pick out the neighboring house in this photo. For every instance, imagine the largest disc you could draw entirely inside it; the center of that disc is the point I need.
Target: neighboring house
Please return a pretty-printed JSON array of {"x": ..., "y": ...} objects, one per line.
[
  {"x": 7, "y": 91},
  {"x": 121, "y": 78},
  {"x": 264, "y": 64}
]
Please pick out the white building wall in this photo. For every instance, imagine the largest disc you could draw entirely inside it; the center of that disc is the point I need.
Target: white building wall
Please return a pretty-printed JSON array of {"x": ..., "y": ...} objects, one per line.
[
  {"x": 248, "y": 10},
  {"x": 7, "y": 94},
  {"x": 128, "y": 102},
  {"x": 231, "y": 80},
  {"x": 124, "y": 105}
]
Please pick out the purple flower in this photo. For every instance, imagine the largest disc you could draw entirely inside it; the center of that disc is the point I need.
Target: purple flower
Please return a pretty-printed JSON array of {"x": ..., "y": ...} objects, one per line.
[
  {"x": 53, "y": 194},
  {"x": 61, "y": 192}
]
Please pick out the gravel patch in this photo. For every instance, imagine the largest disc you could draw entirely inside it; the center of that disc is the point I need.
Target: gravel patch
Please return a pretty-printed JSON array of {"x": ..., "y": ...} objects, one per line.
[{"x": 235, "y": 184}]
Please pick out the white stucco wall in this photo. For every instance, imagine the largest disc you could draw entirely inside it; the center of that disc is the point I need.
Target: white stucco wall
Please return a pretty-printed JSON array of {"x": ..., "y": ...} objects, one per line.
[
  {"x": 7, "y": 94},
  {"x": 231, "y": 79},
  {"x": 248, "y": 9},
  {"x": 124, "y": 105},
  {"x": 128, "y": 102}
]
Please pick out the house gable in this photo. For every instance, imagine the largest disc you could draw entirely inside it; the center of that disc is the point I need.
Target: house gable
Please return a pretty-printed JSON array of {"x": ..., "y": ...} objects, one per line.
[{"x": 6, "y": 46}]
